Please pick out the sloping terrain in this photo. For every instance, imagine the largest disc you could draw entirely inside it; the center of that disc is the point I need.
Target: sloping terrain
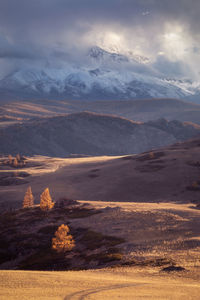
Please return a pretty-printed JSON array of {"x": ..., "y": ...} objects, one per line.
[
  {"x": 105, "y": 234},
  {"x": 150, "y": 241},
  {"x": 144, "y": 243},
  {"x": 166, "y": 175},
  {"x": 91, "y": 134},
  {"x": 136, "y": 110},
  {"x": 147, "y": 109},
  {"x": 98, "y": 285}
]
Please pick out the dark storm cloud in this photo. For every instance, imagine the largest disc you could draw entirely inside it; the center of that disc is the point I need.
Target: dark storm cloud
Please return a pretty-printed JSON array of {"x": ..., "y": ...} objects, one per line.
[
  {"x": 15, "y": 51},
  {"x": 24, "y": 17},
  {"x": 31, "y": 29},
  {"x": 170, "y": 68}
]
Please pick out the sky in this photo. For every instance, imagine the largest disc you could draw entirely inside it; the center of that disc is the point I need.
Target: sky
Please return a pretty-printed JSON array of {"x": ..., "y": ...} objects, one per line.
[{"x": 53, "y": 32}]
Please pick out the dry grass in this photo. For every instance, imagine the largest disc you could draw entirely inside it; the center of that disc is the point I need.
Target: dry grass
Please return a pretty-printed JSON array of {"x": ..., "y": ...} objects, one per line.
[
  {"x": 123, "y": 283},
  {"x": 26, "y": 237},
  {"x": 94, "y": 240}
]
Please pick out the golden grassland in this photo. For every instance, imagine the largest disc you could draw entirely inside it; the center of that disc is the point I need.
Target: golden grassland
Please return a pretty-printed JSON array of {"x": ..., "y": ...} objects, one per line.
[
  {"x": 150, "y": 233},
  {"x": 142, "y": 277},
  {"x": 118, "y": 283}
]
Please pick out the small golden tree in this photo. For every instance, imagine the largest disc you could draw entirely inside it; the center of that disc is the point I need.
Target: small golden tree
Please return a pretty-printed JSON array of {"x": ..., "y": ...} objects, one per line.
[
  {"x": 151, "y": 155},
  {"x": 10, "y": 159},
  {"x": 18, "y": 157},
  {"x": 28, "y": 198},
  {"x": 63, "y": 242},
  {"x": 46, "y": 202},
  {"x": 15, "y": 163}
]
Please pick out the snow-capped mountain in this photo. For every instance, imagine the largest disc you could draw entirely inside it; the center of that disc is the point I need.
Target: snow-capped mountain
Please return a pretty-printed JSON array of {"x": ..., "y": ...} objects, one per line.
[
  {"x": 101, "y": 55},
  {"x": 114, "y": 55},
  {"x": 103, "y": 75}
]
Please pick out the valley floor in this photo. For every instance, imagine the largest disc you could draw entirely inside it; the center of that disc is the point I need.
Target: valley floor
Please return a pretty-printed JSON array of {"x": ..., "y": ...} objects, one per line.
[
  {"x": 170, "y": 174},
  {"x": 120, "y": 283},
  {"x": 148, "y": 200},
  {"x": 169, "y": 231}
]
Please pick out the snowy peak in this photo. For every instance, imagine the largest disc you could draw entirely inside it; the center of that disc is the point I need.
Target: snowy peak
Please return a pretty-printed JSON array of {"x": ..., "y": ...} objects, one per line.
[
  {"x": 138, "y": 58},
  {"x": 102, "y": 75},
  {"x": 100, "y": 55},
  {"x": 113, "y": 55}
]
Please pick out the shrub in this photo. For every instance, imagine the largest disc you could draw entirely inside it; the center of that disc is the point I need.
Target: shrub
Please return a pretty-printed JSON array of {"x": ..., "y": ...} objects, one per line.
[{"x": 62, "y": 242}]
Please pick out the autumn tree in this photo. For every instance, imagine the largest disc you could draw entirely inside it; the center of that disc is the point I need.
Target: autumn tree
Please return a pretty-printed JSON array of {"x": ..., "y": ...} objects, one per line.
[
  {"x": 151, "y": 155},
  {"x": 18, "y": 157},
  {"x": 63, "y": 242},
  {"x": 46, "y": 202},
  {"x": 15, "y": 162},
  {"x": 10, "y": 159},
  {"x": 28, "y": 198}
]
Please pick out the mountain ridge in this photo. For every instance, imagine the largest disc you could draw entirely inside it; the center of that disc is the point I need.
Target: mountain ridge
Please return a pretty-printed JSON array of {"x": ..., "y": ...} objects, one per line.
[
  {"x": 138, "y": 110},
  {"x": 92, "y": 134},
  {"x": 104, "y": 75}
]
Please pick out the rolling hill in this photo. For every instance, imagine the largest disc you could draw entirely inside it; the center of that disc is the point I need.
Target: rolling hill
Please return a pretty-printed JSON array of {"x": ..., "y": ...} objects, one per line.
[
  {"x": 91, "y": 134},
  {"x": 170, "y": 174},
  {"x": 137, "y": 110}
]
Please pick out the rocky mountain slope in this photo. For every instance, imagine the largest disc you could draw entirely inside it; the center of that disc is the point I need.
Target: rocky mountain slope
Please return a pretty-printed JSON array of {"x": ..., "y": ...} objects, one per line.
[
  {"x": 91, "y": 134},
  {"x": 103, "y": 75}
]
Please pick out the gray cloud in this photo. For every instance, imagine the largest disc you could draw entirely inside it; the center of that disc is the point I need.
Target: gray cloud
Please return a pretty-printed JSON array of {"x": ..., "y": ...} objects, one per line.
[
  {"x": 170, "y": 68},
  {"x": 63, "y": 29},
  {"x": 9, "y": 51},
  {"x": 26, "y": 17}
]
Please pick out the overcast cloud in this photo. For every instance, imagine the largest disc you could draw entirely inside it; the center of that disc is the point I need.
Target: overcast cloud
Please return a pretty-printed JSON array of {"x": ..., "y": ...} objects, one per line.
[{"x": 53, "y": 31}]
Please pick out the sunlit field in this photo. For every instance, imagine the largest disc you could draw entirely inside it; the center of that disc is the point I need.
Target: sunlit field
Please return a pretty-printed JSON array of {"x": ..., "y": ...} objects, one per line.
[{"x": 120, "y": 283}]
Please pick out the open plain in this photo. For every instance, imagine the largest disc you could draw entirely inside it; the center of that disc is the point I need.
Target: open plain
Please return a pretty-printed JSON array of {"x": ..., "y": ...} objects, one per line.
[
  {"x": 149, "y": 213},
  {"x": 122, "y": 283}
]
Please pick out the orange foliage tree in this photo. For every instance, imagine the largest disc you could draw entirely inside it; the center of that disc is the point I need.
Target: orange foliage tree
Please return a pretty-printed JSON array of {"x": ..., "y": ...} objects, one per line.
[
  {"x": 15, "y": 162},
  {"x": 10, "y": 159},
  {"x": 46, "y": 202},
  {"x": 18, "y": 157},
  {"x": 28, "y": 198},
  {"x": 63, "y": 242}
]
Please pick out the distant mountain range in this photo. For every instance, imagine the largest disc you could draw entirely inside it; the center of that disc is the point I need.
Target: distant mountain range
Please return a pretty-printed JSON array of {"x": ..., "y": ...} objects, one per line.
[
  {"x": 137, "y": 110},
  {"x": 91, "y": 134},
  {"x": 104, "y": 75}
]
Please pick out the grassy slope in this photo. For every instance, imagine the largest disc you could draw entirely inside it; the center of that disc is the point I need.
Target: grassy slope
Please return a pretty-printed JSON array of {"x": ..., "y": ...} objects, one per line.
[
  {"x": 105, "y": 284},
  {"x": 166, "y": 177},
  {"x": 138, "y": 110}
]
